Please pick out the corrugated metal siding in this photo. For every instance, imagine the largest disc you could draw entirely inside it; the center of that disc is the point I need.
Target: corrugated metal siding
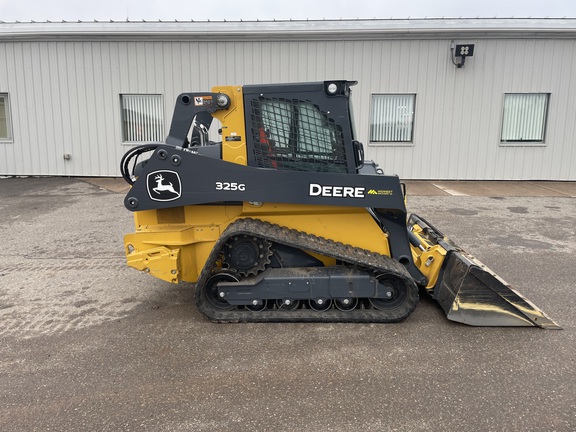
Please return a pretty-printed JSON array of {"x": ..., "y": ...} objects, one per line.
[
  {"x": 459, "y": 111},
  {"x": 65, "y": 98}
]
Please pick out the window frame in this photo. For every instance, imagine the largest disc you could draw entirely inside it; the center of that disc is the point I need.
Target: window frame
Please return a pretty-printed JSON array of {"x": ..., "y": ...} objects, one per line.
[
  {"x": 545, "y": 121},
  {"x": 162, "y": 118},
  {"x": 9, "y": 130},
  {"x": 393, "y": 143}
]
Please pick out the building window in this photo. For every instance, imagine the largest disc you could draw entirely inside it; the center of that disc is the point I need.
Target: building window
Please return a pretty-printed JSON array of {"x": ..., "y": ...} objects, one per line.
[
  {"x": 392, "y": 118},
  {"x": 142, "y": 118},
  {"x": 5, "y": 122},
  {"x": 524, "y": 117}
]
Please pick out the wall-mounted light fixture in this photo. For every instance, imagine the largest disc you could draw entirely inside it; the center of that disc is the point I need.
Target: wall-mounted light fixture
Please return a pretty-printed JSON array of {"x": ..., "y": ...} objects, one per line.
[{"x": 460, "y": 52}]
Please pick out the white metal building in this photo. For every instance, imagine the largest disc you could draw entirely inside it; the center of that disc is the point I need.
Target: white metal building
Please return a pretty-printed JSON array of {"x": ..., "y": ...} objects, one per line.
[{"x": 75, "y": 96}]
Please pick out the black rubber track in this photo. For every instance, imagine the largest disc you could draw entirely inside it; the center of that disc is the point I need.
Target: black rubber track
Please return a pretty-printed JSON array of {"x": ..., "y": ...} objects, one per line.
[{"x": 377, "y": 263}]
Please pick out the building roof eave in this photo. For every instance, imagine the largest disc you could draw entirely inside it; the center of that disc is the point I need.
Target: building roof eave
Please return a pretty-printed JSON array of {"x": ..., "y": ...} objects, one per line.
[{"x": 299, "y": 29}]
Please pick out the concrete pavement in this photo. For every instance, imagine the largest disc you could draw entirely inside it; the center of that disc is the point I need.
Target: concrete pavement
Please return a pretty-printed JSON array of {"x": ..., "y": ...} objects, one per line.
[
  {"x": 89, "y": 344},
  {"x": 491, "y": 188}
]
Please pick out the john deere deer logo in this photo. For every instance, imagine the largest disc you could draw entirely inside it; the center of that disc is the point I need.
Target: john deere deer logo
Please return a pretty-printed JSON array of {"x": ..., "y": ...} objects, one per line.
[{"x": 164, "y": 185}]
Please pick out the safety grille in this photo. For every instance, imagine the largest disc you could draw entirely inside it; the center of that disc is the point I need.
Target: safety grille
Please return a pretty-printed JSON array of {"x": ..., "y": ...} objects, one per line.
[{"x": 295, "y": 135}]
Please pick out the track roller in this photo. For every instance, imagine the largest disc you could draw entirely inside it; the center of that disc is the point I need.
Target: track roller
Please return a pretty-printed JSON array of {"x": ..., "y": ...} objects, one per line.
[
  {"x": 287, "y": 304},
  {"x": 346, "y": 304},
  {"x": 320, "y": 304}
]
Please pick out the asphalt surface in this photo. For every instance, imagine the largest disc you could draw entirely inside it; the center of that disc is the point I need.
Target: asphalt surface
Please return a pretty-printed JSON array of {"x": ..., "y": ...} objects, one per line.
[{"x": 89, "y": 344}]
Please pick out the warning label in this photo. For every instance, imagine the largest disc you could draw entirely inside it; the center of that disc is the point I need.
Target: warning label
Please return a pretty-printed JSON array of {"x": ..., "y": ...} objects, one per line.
[{"x": 202, "y": 100}]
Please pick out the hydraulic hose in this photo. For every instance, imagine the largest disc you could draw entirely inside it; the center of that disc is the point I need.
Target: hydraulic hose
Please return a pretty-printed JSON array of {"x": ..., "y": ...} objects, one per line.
[{"x": 131, "y": 154}]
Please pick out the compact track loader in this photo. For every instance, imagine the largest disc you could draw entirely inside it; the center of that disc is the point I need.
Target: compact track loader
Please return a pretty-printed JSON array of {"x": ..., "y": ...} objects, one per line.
[{"x": 284, "y": 220}]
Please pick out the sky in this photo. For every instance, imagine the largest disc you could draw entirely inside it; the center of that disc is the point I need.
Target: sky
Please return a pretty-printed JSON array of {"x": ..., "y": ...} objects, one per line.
[{"x": 202, "y": 10}]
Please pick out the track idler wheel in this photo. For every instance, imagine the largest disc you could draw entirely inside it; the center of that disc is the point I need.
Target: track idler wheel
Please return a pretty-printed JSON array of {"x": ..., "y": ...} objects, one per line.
[
  {"x": 213, "y": 294},
  {"x": 395, "y": 294}
]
